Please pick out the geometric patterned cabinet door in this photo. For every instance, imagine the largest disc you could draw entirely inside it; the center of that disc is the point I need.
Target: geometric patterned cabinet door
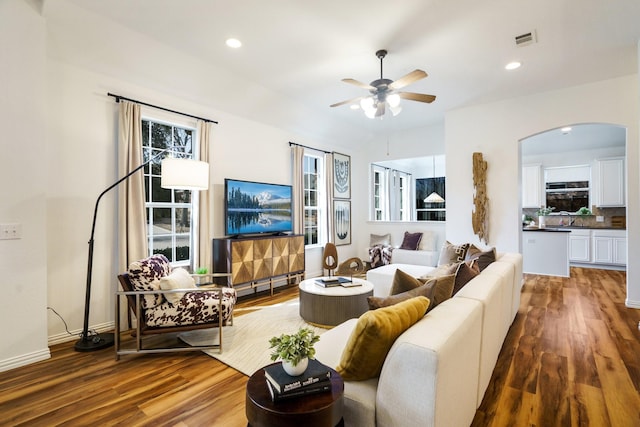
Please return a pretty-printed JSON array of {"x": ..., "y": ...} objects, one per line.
[{"x": 256, "y": 261}]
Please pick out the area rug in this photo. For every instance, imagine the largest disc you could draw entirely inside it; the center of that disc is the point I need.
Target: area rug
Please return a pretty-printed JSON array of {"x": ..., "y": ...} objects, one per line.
[{"x": 246, "y": 343}]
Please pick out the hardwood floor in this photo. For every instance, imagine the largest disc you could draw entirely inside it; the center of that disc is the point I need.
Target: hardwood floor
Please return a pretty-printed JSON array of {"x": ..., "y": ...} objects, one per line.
[{"x": 571, "y": 358}]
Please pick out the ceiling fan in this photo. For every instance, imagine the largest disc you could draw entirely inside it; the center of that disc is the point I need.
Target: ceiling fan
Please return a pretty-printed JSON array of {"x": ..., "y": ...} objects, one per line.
[{"x": 385, "y": 92}]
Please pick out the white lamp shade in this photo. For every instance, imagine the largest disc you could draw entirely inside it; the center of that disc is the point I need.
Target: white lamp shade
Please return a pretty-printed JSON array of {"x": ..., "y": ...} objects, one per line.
[
  {"x": 184, "y": 174},
  {"x": 434, "y": 198}
]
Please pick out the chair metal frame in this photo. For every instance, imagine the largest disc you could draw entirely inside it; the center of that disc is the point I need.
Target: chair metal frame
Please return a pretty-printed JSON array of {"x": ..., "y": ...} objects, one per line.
[{"x": 141, "y": 328}]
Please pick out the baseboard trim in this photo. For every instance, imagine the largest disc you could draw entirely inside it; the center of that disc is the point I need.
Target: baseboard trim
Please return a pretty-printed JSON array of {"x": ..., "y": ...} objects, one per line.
[
  {"x": 24, "y": 359},
  {"x": 75, "y": 335},
  {"x": 632, "y": 304}
]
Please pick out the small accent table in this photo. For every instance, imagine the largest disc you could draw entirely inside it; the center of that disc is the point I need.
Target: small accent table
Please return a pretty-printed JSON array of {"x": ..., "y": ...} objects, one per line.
[
  {"x": 332, "y": 306},
  {"x": 316, "y": 410}
]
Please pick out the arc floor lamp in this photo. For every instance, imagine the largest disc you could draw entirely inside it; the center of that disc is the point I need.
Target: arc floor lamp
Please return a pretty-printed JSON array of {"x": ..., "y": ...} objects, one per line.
[{"x": 178, "y": 174}]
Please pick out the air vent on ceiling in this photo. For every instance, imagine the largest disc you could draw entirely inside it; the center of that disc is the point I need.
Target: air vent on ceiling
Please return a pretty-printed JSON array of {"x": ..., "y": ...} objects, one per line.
[{"x": 526, "y": 39}]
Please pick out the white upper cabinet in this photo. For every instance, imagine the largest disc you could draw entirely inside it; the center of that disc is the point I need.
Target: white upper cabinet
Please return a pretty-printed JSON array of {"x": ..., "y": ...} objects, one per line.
[
  {"x": 532, "y": 186},
  {"x": 609, "y": 182}
]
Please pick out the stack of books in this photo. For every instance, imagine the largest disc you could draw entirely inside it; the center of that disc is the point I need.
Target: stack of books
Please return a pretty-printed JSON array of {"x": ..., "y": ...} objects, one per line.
[
  {"x": 328, "y": 282},
  {"x": 282, "y": 386}
]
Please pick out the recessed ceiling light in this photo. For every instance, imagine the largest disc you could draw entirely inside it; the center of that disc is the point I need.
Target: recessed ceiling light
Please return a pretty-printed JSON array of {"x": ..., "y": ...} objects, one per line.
[
  {"x": 512, "y": 65},
  {"x": 234, "y": 43},
  {"x": 566, "y": 130}
]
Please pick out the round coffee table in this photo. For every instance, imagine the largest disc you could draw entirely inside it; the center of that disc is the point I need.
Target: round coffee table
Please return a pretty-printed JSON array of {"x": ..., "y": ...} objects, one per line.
[
  {"x": 315, "y": 410},
  {"x": 331, "y": 306}
]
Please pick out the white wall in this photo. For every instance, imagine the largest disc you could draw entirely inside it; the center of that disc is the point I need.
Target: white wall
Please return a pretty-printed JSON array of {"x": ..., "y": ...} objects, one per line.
[
  {"x": 23, "y": 168},
  {"x": 496, "y": 129}
]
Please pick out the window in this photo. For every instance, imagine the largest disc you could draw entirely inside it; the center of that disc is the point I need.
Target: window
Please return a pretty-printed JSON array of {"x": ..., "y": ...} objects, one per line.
[
  {"x": 430, "y": 211},
  {"x": 400, "y": 195},
  {"x": 379, "y": 208},
  {"x": 314, "y": 200},
  {"x": 170, "y": 213}
]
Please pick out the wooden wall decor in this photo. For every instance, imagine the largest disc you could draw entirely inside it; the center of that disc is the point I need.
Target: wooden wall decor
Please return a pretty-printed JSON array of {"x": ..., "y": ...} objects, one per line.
[{"x": 480, "y": 214}]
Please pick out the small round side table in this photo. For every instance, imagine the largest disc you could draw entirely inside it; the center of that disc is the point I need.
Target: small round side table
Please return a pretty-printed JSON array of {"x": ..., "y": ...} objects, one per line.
[{"x": 315, "y": 410}]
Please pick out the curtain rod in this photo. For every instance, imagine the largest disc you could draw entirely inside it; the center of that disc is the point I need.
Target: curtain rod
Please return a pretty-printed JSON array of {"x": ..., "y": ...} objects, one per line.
[
  {"x": 119, "y": 97},
  {"x": 310, "y": 148}
]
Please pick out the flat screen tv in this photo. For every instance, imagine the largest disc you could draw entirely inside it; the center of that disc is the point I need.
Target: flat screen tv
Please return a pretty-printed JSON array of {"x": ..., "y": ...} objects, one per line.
[{"x": 257, "y": 207}]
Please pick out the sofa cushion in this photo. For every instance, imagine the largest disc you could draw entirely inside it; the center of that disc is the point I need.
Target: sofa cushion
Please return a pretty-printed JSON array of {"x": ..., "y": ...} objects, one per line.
[
  {"x": 437, "y": 289},
  {"x": 451, "y": 253},
  {"x": 383, "y": 240},
  {"x": 411, "y": 241},
  {"x": 145, "y": 276},
  {"x": 373, "y": 336},
  {"x": 482, "y": 258},
  {"x": 179, "y": 278},
  {"x": 378, "y": 302}
]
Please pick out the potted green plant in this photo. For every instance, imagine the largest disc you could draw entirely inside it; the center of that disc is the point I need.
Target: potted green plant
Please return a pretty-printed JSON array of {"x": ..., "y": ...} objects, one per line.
[
  {"x": 295, "y": 350},
  {"x": 542, "y": 212}
]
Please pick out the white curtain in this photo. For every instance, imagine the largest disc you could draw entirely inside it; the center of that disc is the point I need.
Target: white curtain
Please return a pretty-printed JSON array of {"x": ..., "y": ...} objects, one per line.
[
  {"x": 132, "y": 223},
  {"x": 328, "y": 170},
  {"x": 205, "y": 129},
  {"x": 297, "y": 159}
]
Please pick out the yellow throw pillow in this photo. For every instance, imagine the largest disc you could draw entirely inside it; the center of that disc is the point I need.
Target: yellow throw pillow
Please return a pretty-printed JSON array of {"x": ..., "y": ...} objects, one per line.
[{"x": 373, "y": 336}]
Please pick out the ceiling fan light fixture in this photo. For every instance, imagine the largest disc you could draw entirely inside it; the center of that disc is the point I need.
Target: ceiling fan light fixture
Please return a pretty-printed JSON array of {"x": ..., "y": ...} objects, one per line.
[
  {"x": 395, "y": 110},
  {"x": 393, "y": 100},
  {"x": 367, "y": 103}
]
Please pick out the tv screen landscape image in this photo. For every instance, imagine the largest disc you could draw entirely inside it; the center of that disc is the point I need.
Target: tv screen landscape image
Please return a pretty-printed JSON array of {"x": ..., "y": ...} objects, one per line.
[{"x": 257, "y": 207}]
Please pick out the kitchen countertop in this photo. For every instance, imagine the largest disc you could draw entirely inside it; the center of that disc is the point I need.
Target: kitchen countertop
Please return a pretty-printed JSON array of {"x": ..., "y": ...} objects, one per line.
[
  {"x": 555, "y": 230},
  {"x": 567, "y": 228}
]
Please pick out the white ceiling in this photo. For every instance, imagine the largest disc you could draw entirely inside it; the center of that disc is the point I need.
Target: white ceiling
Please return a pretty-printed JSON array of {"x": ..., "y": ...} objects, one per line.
[{"x": 300, "y": 50}]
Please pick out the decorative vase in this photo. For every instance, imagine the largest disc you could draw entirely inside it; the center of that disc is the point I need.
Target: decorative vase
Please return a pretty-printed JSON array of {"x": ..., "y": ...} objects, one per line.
[
  {"x": 294, "y": 371},
  {"x": 541, "y": 223}
]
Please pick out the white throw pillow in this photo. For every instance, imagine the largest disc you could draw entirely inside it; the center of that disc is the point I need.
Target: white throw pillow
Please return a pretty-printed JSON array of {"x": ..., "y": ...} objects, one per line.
[
  {"x": 428, "y": 241},
  {"x": 178, "y": 279}
]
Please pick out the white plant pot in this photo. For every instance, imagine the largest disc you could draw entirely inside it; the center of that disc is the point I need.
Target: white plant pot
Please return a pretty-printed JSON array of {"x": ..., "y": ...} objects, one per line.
[
  {"x": 294, "y": 371},
  {"x": 541, "y": 223}
]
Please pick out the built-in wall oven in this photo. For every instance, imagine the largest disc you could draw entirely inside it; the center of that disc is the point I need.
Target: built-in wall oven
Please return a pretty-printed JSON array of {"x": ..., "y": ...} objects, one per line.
[{"x": 567, "y": 196}]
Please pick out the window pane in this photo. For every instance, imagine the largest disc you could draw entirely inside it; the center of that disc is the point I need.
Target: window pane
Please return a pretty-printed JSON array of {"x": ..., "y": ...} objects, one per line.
[
  {"x": 182, "y": 248},
  {"x": 183, "y": 221},
  {"x": 159, "y": 194},
  {"x": 182, "y": 196},
  {"x": 161, "y": 221},
  {"x": 160, "y": 135}
]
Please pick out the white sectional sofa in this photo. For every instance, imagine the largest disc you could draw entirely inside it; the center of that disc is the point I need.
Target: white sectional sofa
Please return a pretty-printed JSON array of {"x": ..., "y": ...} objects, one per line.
[{"x": 437, "y": 371}]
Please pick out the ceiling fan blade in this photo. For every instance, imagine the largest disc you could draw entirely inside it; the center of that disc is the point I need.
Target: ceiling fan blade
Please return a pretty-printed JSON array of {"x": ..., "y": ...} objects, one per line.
[
  {"x": 348, "y": 101},
  {"x": 420, "y": 97},
  {"x": 380, "y": 110},
  {"x": 403, "y": 81},
  {"x": 359, "y": 84}
]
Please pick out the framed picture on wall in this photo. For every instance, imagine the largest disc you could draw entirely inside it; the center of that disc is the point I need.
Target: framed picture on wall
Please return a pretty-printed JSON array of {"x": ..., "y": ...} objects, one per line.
[
  {"x": 342, "y": 222},
  {"x": 341, "y": 176}
]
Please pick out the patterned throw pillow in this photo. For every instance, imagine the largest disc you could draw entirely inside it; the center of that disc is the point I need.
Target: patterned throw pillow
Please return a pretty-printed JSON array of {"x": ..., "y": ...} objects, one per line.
[
  {"x": 384, "y": 240},
  {"x": 145, "y": 276},
  {"x": 451, "y": 253},
  {"x": 436, "y": 289},
  {"x": 411, "y": 241}
]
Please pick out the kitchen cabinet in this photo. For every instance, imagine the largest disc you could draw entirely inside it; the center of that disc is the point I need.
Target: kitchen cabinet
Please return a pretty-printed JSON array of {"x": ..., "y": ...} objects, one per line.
[
  {"x": 532, "y": 186},
  {"x": 610, "y": 247},
  {"x": 610, "y": 185},
  {"x": 580, "y": 246}
]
